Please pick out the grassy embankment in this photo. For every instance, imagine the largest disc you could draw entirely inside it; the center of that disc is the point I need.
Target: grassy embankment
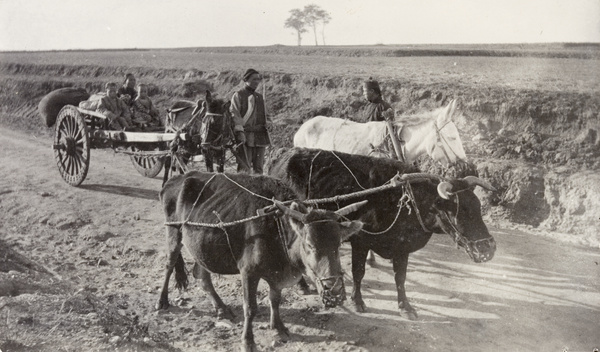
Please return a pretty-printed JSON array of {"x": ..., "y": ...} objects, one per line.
[
  {"x": 549, "y": 89},
  {"x": 537, "y": 105}
]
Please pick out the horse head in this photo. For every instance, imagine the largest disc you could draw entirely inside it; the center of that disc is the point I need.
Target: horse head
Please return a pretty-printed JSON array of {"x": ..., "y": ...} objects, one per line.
[
  {"x": 214, "y": 105},
  {"x": 446, "y": 145},
  {"x": 216, "y": 122}
]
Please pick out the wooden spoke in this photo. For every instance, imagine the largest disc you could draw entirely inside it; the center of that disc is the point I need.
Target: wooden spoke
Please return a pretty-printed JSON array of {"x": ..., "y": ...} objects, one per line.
[
  {"x": 73, "y": 154},
  {"x": 147, "y": 166}
]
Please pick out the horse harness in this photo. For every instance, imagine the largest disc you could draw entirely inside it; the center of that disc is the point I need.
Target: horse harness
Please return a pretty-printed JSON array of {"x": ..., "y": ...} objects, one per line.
[
  {"x": 387, "y": 145},
  {"x": 440, "y": 138},
  {"x": 205, "y": 129}
]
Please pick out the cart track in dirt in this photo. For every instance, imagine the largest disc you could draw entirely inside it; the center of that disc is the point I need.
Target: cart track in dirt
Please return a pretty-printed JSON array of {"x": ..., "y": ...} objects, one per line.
[{"x": 95, "y": 257}]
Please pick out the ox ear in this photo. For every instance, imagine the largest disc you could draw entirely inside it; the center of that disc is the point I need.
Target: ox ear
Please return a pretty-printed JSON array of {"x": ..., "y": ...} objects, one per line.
[
  {"x": 447, "y": 113},
  {"x": 199, "y": 106},
  {"x": 208, "y": 96},
  {"x": 350, "y": 228}
]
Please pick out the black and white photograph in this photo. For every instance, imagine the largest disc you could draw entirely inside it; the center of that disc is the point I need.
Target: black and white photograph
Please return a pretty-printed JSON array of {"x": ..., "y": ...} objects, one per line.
[{"x": 299, "y": 175}]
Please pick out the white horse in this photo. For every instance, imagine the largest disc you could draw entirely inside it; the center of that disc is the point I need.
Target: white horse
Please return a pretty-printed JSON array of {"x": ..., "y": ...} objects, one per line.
[{"x": 431, "y": 132}]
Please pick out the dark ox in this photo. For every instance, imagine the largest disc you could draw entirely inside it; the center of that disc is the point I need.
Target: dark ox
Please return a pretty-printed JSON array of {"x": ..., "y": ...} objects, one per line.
[
  {"x": 278, "y": 248},
  {"x": 389, "y": 230}
]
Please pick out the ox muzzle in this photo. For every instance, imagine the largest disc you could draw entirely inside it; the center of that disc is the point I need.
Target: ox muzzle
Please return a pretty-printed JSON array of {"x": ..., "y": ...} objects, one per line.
[
  {"x": 480, "y": 251},
  {"x": 332, "y": 290}
]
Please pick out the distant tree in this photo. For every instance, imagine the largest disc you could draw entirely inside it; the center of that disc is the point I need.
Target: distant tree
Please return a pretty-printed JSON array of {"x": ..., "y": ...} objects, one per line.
[
  {"x": 324, "y": 19},
  {"x": 312, "y": 15},
  {"x": 296, "y": 21}
]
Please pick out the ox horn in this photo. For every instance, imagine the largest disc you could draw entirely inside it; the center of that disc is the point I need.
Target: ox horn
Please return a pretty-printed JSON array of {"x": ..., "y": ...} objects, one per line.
[
  {"x": 444, "y": 189},
  {"x": 350, "y": 208},
  {"x": 291, "y": 212},
  {"x": 476, "y": 181}
]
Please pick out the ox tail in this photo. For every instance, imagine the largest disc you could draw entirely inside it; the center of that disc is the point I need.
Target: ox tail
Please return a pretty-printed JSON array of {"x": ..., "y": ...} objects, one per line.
[{"x": 181, "y": 277}]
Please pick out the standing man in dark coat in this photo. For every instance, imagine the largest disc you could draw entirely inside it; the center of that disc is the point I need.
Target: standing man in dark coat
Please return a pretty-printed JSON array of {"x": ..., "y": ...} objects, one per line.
[
  {"x": 374, "y": 111},
  {"x": 250, "y": 124}
]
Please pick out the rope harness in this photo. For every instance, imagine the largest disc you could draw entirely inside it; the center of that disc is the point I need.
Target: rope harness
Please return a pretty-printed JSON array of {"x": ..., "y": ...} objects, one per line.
[
  {"x": 407, "y": 201},
  {"x": 403, "y": 202},
  {"x": 386, "y": 147},
  {"x": 328, "y": 297}
]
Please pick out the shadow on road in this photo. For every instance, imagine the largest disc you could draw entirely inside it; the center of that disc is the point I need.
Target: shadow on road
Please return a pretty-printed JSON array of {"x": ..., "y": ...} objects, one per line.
[{"x": 123, "y": 190}]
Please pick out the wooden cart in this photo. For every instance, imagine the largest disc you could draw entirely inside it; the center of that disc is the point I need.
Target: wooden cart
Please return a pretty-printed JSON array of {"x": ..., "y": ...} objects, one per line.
[{"x": 78, "y": 130}]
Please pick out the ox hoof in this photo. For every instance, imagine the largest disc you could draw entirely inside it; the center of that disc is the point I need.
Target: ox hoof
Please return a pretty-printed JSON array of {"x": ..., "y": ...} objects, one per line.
[
  {"x": 360, "y": 307},
  {"x": 280, "y": 338},
  {"x": 225, "y": 313},
  {"x": 283, "y": 334},
  {"x": 409, "y": 314},
  {"x": 248, "y": 347},
  {"x": 162, "y": 304}
]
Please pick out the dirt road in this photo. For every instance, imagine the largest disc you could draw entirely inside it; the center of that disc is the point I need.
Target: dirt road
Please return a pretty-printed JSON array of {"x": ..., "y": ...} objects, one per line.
[{"x": 80, "y": 270}]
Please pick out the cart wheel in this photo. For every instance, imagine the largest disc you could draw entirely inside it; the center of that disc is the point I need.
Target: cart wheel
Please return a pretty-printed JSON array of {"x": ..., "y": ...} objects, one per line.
[
  {"x": 147, "y": 166},
  {"x": 71, "y": 146}
]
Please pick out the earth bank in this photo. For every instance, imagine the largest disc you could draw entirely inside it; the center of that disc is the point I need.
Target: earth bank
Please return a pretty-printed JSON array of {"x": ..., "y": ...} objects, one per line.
[{"x": 539, "y": 148}]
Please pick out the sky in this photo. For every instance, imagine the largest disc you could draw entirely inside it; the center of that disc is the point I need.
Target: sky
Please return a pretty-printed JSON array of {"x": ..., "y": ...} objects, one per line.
[{"x": 117, "y": 24}]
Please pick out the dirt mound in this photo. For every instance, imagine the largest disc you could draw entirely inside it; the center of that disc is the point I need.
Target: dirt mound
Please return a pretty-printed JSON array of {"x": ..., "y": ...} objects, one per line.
[{"x": 573, "y": 205}]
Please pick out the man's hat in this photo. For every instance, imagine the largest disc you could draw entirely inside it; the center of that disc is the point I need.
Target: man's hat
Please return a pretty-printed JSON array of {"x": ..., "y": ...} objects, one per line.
[
  {"x": 249, "y": 72},
  {"x": 371, "y": 84}
]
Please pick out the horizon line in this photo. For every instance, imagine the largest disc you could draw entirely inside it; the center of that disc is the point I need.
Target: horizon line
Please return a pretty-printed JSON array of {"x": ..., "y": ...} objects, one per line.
[{"x": 307, "y": 46}]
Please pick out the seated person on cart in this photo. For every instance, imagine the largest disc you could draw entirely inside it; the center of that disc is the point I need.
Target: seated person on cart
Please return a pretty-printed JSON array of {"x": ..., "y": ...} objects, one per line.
[
  {"x": 115, "y": 109},
  {"x": 145, "y": 114},
  {"x": 127, "y": 91}
]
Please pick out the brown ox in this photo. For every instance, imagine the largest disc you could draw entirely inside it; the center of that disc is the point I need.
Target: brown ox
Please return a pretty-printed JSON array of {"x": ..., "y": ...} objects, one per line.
[{"x": 278, "y": 248}]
